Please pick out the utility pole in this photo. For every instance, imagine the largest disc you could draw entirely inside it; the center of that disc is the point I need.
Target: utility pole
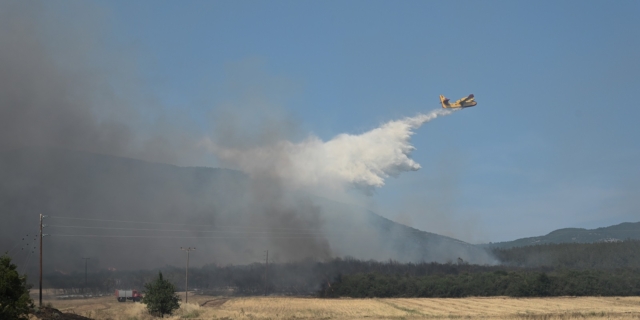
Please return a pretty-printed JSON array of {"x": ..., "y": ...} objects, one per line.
[
  {"x": 266, "y": 270},
  {"x": 85, "y": 273},
  {"x": 41, "y": 235},
  {"x": 186, "y": 285}
]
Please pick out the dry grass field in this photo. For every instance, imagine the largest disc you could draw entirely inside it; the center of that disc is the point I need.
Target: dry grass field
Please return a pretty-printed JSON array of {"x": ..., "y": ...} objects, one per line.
[{"x": 209, "y": 307}]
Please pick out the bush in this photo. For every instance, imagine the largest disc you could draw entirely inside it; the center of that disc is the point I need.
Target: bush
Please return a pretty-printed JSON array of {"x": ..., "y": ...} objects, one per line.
[
  {"x": 15, "y": 302},
  {"x": 160, "y": 297}
]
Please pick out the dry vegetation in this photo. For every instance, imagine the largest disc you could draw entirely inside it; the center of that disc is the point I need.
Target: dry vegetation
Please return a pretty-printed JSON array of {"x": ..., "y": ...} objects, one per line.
[{"x": 208, "y": 307}]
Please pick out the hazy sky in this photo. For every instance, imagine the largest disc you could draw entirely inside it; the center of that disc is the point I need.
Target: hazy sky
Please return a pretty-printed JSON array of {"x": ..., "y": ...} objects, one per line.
[{"x": 553, "y": 141}]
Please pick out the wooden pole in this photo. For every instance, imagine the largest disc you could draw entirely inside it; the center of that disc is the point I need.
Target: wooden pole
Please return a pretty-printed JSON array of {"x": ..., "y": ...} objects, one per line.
[
  {"x": 186, "y": 284},
  {"x": 186, "y": 279},
  {"x": 85, "y": 274},
  {"x": 266, "y": 272},
  {"x": 40, "y": 294}
]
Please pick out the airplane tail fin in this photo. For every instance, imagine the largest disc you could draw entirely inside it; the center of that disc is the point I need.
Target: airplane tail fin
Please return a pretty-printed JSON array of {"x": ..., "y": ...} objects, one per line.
[{"x": 444, "y": 101}]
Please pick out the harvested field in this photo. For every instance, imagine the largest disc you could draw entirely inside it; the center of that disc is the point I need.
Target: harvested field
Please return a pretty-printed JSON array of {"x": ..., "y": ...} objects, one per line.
[
  {"x": 47, "y": 313},
  {"x": 208, "y": 307}
]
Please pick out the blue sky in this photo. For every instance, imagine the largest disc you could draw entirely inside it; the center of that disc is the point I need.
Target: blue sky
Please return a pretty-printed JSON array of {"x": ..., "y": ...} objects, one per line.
[{"x": 552, "y": 143}]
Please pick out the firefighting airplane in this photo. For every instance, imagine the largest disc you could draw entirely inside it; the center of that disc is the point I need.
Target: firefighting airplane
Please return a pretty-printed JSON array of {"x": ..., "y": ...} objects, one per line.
[{"x": 465, "y": 102}]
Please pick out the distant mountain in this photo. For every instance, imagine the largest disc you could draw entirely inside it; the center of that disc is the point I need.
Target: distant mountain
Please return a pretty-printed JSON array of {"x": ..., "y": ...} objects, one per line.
[
  {"x": 619, "y": 232},
  {"x": 130, "y": 214}
]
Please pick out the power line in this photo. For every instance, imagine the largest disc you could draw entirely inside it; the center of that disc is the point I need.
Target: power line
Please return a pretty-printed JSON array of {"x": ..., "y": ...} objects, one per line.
[
  {"x": 182, "y": 230},
  {"x": 302, "y": 236},
  {"x": 18, "y": 243},
  {"x": 407, "y": 229},
  {"x": 26, "y": 261},
  {"x": 31, "y": 262},
  {"x": 175, "y": 224},
  {"x": 27, "y": 248},
  {"x": 9, "y": 252}
]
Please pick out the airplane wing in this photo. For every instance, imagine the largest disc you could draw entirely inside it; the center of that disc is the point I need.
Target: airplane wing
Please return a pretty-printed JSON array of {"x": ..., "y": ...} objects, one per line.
[{"x": 468, "y": 98}]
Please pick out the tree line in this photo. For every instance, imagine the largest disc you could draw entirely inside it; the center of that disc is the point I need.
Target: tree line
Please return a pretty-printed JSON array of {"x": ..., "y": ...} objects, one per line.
[
  {"x": 566, "y": 269},
  {"x": 523, "y": 283},
  {"x": 552, "y": 269},
  {"x": 296, "y": 278},
  {"x": 599, "y": 255}
]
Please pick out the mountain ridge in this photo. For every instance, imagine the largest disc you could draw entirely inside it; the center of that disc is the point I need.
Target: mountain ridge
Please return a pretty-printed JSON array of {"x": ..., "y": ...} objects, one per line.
[
  {"x": 618, "y": 232},
  {"x": 112, "y": 194}
]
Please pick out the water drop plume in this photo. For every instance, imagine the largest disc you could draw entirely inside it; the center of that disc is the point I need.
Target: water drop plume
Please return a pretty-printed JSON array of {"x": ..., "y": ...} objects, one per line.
[{"x": 362, "y": 160}]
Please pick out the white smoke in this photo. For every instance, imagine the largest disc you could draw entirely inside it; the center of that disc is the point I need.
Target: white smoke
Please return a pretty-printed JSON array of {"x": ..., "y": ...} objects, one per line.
[{"x": 363, "y": 160}]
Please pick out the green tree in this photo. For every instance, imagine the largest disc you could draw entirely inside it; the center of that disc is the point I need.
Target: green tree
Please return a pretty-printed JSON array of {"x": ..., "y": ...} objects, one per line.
[
  {"x": 15, "y": 302},
  {"x": 160, "y": 297}
]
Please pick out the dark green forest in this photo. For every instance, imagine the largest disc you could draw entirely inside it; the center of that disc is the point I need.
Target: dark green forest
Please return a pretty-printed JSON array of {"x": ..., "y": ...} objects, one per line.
[
  {"x": 576, "y": 269},
  {"x": 299, "y": 278},
  {"x": 521, "y": 283},
  {"x": 599, "y": 255}
]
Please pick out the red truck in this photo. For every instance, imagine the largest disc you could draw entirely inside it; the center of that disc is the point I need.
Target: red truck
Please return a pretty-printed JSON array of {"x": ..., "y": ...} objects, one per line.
[{"x": 124, "y": 295}]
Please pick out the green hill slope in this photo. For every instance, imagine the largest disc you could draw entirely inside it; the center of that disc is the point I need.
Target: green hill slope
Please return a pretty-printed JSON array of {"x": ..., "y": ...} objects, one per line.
[{"x": 620, "y": 232}]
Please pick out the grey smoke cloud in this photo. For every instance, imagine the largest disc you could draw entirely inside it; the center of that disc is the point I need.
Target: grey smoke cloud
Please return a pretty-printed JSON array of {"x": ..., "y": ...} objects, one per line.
[
  {"x": 40, "y": 103},
  {"x": 70, "y": 101},
  {"x": 62, "y": 85},
  {"x": 63, "y": 89}
]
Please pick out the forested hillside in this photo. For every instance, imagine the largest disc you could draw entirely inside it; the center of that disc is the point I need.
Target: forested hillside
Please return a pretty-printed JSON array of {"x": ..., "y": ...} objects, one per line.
[
  {"x": 573, "y": 269},
  {"x": 620, "y": 232},
  {"x": 521, "y": 283},
  {"x": 601, "y": 255},
  {"x": 300, "y": 278},
  {"x": 606, "y": 269},
  {"x": 101, "y": 207}
]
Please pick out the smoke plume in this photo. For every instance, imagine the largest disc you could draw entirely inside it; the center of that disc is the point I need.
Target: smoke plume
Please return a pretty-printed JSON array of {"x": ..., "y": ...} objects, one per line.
[
  {"x": 65, "y": 83},
  {"x": 363, "y": 160},
  {"x": 83, "y": 141}
]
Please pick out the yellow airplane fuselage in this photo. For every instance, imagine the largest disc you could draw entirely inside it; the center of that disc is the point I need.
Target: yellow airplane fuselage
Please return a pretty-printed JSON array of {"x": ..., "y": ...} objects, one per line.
[{"x": 462, "y": 103}]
